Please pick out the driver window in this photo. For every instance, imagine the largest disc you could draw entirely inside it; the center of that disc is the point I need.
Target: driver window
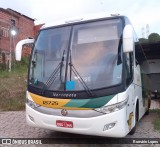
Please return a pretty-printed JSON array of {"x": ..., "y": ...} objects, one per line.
[{"x": 129, "y": 67}]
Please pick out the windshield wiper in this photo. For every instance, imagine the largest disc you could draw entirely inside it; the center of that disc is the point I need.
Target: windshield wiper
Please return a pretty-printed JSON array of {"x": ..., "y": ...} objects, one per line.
[
  {"x": 72, "y": 68},
  {"x": 34, "y": 59},
  {"x": 52, "y": 77}
]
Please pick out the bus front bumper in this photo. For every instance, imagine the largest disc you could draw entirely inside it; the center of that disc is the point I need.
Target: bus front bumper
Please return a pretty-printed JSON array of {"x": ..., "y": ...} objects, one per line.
[{"x": 109, "y": 125}]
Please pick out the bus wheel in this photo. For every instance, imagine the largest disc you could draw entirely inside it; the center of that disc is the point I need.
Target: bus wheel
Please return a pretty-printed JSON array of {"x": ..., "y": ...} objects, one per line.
[{"x": 136, "y": 120}]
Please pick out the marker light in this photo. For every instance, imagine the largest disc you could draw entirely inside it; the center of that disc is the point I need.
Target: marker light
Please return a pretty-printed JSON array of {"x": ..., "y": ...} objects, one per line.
[
  {"x": 109, "y": 126},
  {"x": 31, "y": 118},
  {"x": 116, "y": 14},
  {"x": 75, "y": 20}
]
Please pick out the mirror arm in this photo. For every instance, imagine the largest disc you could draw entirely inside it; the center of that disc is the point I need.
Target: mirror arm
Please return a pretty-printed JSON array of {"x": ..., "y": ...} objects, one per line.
[{"x": 19, "y": 46}]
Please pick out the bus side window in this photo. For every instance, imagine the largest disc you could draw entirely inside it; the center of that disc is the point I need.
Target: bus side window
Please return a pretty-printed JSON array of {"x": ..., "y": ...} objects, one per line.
[{"x": 129, "y": 68}]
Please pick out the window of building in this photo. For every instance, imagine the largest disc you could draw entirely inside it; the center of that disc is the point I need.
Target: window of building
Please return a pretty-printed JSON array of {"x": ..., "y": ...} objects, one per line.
[
  {"x": 13, "y": 22},
  {"x": 5, "y": 32}
]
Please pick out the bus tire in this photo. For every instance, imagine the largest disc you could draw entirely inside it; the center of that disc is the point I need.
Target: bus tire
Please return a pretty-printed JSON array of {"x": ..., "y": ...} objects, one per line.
[{"x": 136, "y": 120}]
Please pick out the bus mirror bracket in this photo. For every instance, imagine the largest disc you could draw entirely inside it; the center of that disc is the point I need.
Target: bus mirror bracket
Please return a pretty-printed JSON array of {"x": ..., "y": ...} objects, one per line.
[
  {"x": 19, "y": 47},
  {"x": 128, "y": 41}
]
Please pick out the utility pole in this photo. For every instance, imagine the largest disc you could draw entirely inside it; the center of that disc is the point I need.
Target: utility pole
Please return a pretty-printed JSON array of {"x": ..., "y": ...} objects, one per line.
[
  {"x": 143, "y": 33},
  {"x": 147, "y": 31},
  {"x": 10, "y": 54},
  {"x": 13, "y": 32}
]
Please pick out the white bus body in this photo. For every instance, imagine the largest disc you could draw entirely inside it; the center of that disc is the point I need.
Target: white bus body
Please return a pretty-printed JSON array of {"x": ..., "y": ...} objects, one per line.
[{"x": 69, "y": 88}]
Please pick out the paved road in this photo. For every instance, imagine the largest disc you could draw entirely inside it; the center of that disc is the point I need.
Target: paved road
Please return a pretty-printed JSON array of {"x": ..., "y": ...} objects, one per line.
[{"x": 13, "y": 125}]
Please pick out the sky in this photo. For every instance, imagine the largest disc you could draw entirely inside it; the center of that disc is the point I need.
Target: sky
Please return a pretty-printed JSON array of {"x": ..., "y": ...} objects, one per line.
[{"x": 140, "y": 12}]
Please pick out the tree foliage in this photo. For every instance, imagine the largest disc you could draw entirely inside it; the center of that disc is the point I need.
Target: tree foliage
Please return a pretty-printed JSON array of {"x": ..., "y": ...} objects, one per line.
[{"x": 153, "y": 37}]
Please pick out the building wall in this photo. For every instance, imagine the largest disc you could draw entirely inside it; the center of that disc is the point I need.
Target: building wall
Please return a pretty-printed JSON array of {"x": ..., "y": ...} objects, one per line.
[
  {"x": 26, "y": 28},
  {"x": 151, "y": 66},
  {"x": 23, "y": 24}
]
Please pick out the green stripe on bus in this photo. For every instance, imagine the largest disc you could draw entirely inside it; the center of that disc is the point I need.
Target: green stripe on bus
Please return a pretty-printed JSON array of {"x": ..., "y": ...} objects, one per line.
[
  {"x": 78, "y": 103},
  {"x": 89, "y": 103}
]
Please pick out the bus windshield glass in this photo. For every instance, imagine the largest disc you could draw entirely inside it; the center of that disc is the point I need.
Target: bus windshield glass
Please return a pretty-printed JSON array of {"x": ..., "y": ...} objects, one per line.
[{"x": 93, "y": 49}]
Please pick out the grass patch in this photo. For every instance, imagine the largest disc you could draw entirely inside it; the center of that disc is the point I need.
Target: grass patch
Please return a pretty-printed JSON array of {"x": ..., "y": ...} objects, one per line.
[
  {"x": 13, "y": 87},
  {"x": 157, "y": 124},
  {"x": 154, "y": 110},
  {"x": 13, "y": 103},
  {"x": 4, "y": 74}
]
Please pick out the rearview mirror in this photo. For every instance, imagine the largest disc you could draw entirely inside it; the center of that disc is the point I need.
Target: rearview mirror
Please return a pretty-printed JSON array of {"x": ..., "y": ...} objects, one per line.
[
  {"x": 128, "y": 41},
  {"x": 19, "y": 46}
]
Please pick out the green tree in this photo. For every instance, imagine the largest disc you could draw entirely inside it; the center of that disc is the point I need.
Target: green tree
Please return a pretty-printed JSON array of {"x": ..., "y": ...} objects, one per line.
[{"x": 154, "y": 37}]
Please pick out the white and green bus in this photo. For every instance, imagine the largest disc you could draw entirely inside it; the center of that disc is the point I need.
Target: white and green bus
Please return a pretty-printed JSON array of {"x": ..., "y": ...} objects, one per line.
[{"x": 84, "y": 77}]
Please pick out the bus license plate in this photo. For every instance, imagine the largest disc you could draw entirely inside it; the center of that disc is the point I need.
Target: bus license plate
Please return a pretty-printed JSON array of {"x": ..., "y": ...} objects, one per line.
[{"x": 65, "y": 124}]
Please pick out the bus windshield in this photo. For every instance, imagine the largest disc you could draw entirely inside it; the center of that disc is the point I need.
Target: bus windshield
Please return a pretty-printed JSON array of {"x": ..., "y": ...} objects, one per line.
[{"x": 93, "y": 49}]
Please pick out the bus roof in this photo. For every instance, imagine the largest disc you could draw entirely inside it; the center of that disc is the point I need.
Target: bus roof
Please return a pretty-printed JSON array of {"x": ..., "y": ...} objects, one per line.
[{"x": 79, "y": 19}]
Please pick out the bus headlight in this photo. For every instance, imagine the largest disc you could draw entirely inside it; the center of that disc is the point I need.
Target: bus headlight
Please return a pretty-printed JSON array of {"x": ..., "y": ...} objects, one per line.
[
  {"x": 112, "y": 108},
  {"x": 32, "y": 104}
]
